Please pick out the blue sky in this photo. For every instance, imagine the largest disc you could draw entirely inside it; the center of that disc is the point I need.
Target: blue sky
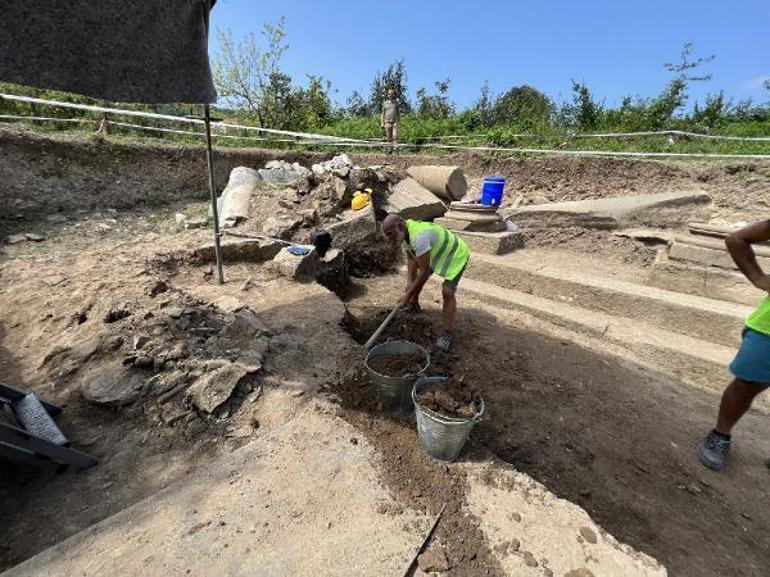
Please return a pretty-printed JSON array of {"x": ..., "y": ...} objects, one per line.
[{"x": 616, "y": 47}]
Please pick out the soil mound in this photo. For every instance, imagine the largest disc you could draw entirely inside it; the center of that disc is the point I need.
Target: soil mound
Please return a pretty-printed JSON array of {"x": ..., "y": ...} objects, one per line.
[
  {"x": 451, "y": 399},
  {"x": 397, "y": 365}
]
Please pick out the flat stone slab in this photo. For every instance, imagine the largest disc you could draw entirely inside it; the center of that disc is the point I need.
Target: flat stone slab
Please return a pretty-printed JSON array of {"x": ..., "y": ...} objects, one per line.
[
  {"x": 457, "y": 225},
  {"x": 301, "y": 268},
  {"x": 523, "y": 525},
  {"x": 668, "y": 208},
  {"x": 412, "y": 200},
  {"x": 707, "y": 281},
  {"x": 302, "y": 500},
  {"x": 682, "y": 250},
  {"x": 474, "y": 207},
  {"x": 647, "y": 235},
  {"x": 240, "y": 249},
  {"x": 113, "y": 386},
  {"x": 492, "y": 242}
]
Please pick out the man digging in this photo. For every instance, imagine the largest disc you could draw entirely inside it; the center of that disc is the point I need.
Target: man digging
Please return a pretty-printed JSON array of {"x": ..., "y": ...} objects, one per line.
[
  {"x": 430, "y": 249},
  {"x": 751, "y": 366}
]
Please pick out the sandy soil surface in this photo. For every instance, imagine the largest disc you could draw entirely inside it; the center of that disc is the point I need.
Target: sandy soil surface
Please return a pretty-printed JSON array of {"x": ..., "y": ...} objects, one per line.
[{"x": 615, "y": 438}]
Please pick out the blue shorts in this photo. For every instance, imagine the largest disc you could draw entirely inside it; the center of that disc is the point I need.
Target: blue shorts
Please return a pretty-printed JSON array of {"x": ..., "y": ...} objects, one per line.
[{"x": 752, "y": 363}]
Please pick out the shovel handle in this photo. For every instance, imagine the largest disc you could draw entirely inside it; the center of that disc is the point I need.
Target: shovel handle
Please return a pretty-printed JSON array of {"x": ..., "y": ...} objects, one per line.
[{"x": 381, "y": 328}]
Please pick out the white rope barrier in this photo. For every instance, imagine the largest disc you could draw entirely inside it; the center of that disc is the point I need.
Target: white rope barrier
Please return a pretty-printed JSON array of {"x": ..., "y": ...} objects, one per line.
[
  {"x": 674, "y": 133},
  {"x": 327, "y": 140},
  {"x": 199, "y": 134},
  {"x": 141, "y": 127},
  {"x": 155, "y": 115},
  {"x": 569, "y": 152},
  {"x": 45, "y": 118}
]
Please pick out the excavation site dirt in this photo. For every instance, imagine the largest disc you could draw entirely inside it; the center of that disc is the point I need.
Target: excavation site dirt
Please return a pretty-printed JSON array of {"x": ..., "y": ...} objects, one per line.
[
  {"x": 614, "y": 437},
  {"x": 238, "y": 429}
]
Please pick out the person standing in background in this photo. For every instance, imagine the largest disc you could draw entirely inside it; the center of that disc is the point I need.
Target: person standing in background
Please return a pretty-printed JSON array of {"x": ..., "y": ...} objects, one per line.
[{"x": 389, "y": 118}]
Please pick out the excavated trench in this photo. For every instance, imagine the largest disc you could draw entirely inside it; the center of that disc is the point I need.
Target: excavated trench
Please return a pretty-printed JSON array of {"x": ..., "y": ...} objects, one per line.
[{"x": 614, "y": 438}]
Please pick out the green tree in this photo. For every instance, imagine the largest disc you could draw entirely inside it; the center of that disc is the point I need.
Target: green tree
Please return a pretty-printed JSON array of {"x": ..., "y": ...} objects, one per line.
[
  {"x": 357, "y": 107},
  {"x": 248, "y": 76},
  {"x": 524, "y": 107},
  {"x": 584, "y": 112},
  {"x": 714, "y": 112},
  {"x": 661, "y": 109},
  {"x": 394, "y": 77},
  {"x": 688, "y": 64},
  {"x": 484, "y": 107},
  {"x": 434, "y": 106},
  {"x": 315, "y": 103}
]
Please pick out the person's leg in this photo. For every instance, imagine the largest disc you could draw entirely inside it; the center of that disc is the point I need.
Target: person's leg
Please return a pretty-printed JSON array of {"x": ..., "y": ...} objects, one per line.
[
  {"x": 411, "y": 274},
  {"x": 751, "y": 369},
  {"x": 394, "y": 137},
  {"x": 449, "y": 309},
  {"x": 736, "y": 400}
]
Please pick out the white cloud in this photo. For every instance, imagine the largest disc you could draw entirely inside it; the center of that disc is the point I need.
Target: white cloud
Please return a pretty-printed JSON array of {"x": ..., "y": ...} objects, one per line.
[{"x": 754, "y": 84}]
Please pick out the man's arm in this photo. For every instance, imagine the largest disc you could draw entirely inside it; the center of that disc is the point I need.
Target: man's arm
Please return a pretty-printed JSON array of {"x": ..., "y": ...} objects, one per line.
[
  {"x": 415, "y": 285},
  {"x": 739, "y": 244},
  {"x": 382, "y": 115}
]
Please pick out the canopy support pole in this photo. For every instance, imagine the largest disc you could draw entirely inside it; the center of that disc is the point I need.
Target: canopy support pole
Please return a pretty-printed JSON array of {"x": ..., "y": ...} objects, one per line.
[{"x": 214, "y": 209}]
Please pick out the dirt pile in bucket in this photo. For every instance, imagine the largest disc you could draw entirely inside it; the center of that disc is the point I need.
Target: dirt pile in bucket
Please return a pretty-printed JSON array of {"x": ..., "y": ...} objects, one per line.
[
  {"x": 399, "y": 365},
  {"x": 451, "y": 399}
]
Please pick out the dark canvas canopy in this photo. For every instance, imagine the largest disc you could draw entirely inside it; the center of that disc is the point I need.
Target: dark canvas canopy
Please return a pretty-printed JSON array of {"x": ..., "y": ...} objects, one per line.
[{"x": 151, "y": 51}]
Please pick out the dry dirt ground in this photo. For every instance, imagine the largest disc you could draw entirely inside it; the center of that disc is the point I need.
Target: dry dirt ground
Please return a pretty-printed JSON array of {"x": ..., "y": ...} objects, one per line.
[
  {"x": 43, "y": 175},
  {"x": 613, "y": 437},
  {"x": 738, "y": 189},
  {"x": 55, "y": 295}
]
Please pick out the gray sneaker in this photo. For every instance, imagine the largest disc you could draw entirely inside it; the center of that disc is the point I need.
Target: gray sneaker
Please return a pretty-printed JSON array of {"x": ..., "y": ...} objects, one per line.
[
  {"x": 713, "y": 450},
  {"x": 444, "y": 342}
]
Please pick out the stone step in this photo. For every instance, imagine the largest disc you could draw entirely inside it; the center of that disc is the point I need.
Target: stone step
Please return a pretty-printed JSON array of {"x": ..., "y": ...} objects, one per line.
[
  {"x": 575, "y": 283},
  {"x": 691, "y": 359},
  {"x": 707, "y": 281},
  {"x": 492, "y": 243},
  {"x": 710, "y": 252}
]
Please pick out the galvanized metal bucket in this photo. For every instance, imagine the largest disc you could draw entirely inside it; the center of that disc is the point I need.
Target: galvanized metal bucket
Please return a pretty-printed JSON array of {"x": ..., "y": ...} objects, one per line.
[
  {"x": 441, "y": 437},
  {"x": 394, "y": 393}
]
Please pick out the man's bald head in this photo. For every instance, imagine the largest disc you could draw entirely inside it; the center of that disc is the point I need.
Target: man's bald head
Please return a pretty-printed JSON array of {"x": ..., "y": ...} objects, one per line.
[{"x": 393, "y": 227}]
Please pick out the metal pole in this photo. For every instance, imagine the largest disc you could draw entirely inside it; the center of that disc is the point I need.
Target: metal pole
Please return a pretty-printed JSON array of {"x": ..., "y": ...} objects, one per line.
[{"x": 214, "y": 210}]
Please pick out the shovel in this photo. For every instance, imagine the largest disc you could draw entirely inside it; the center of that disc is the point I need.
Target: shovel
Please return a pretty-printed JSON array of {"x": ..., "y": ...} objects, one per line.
[{"x": 381, "y": 328}]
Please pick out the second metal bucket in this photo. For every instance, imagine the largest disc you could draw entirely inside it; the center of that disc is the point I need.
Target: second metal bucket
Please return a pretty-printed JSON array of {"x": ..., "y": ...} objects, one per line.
[
  {"x": 441, "y": 437},
  {"x": 395, "y": 393}
]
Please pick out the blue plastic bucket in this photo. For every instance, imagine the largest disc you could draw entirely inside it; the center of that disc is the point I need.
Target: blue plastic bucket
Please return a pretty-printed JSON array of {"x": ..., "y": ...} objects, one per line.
[{"x": 492, "y": 190}]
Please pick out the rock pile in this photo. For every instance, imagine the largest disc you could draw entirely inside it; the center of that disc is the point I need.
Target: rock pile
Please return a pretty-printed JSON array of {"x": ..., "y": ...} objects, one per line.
[
  {"x": 340, "y": 165},
  {"x": 178, "y": 359}
]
